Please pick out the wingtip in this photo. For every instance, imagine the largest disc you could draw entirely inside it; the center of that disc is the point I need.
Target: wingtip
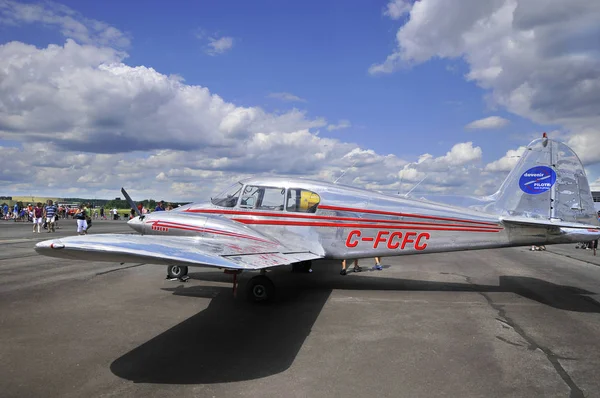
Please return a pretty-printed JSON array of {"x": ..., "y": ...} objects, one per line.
[{"x": 48, "y": 245}]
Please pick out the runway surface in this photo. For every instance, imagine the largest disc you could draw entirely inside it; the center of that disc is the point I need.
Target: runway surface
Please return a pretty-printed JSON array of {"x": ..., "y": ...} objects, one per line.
[{"x": 490, "y": 323}]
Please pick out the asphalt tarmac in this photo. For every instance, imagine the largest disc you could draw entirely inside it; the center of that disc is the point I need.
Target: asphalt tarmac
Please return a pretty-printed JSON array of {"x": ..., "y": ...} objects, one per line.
[{"x": 489, "y": 323}]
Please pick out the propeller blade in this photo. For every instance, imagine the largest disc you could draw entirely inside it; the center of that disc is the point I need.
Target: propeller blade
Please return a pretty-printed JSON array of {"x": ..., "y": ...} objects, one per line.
[{"x": 130, "y": 201}]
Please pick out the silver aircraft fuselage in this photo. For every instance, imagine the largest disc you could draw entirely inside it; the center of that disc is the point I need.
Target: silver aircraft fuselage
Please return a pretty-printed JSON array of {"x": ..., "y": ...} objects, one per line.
[{"x": 340, "y": 222}]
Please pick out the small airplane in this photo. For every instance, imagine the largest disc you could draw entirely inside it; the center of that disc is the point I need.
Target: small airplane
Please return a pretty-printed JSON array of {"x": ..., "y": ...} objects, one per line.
[{"x": 262, "y": 223}]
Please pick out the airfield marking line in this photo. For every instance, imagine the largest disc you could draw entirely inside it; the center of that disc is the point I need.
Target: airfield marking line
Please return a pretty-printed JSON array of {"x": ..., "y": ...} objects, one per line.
[
  {"x": 18, "y": 257},
  {"x": 359, "y": 300},
  {"x": 20, "y": 240},
  {"x": 573, "y": 258}
]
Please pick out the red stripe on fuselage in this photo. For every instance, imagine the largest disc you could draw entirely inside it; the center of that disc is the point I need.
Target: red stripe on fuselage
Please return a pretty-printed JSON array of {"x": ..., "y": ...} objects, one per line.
[
  {"x": 392, "y": 213},
  {"x": 486, "y": 225},
  {"x": 186, "y": 227},
  {"x": 464, "y": 228}
]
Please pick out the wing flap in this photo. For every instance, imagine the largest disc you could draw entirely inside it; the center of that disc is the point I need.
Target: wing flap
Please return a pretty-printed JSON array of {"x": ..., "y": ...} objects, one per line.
[
  {"x": 171, "y": 250},
  {"x": 265, "y": 260}
]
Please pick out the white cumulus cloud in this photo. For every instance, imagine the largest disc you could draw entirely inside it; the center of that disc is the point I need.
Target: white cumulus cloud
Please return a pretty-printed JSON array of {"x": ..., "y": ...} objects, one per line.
[
  {"x": 396, "y": 8},
  {"x": 507, "y": 162},
  {"x": 70, "y": 23},
  {"x": 537, "y": 58},
  {"x": 492, "y": 122},
  {"x": 219, "y": 45},
  {"x": 342, "y": 124},
  {"x": 288, "y": 97},
  {"x": 460, "y": 154}
]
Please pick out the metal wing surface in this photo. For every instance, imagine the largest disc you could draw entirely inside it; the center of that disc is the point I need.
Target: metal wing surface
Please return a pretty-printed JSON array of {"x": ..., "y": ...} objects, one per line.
[{"x": 227, "y": 253}]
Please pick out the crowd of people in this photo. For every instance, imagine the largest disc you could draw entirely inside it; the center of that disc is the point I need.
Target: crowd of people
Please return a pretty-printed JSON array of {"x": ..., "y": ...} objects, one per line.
[
  {"x": 42, "y": 216},
  {"x": 46, "y": 216},
  {"x": 26, "y": 213}
]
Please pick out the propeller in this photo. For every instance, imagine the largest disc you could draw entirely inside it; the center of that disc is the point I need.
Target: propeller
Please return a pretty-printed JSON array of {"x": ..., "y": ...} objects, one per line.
[{"x": 131, "y": 202}]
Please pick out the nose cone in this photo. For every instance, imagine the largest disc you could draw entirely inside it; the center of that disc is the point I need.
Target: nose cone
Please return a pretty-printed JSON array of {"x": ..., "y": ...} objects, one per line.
[{"x": 137, "y": 224}]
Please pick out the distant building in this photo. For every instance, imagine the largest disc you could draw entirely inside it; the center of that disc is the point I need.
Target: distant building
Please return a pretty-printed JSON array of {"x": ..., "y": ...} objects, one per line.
[{"x": 596, "y": 196}]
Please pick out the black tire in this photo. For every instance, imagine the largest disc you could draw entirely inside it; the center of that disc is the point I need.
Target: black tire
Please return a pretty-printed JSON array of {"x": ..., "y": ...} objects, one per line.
[
  {"x": 177, "y": 271},
  {"x": 260, "y": 289}
]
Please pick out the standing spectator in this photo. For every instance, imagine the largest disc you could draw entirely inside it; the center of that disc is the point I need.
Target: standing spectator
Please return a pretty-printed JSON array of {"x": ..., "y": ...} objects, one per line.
[
  {"x": 50, "y": 215},
  {"x": 38, "y": 213},
  {"x": 80, "y": 216},
  {"x": 160, "y": 206},
  {"x": 56, "y": 218},
  {"x": 378, "y": 266},
  {"x": 115, "y": 213},
  {"x": 357, "y": 268},
  {"x": 88, "y": 216},
  {"x": 5, "y": 211},
  {"x": 102, "y": 213}
]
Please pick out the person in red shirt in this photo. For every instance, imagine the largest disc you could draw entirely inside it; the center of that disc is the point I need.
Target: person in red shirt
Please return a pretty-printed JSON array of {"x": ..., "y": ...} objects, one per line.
[{"x": 38, "y": 213}]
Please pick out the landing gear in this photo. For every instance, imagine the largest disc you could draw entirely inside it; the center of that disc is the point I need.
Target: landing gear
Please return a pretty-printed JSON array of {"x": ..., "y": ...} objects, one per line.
[
  {"x": 177, "y": 271},
  {"x": 260, "y": 289}
]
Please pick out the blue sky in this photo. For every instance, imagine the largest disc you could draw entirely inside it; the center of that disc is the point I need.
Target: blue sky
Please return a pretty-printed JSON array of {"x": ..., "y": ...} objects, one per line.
[{"x": 319, "y": 52}]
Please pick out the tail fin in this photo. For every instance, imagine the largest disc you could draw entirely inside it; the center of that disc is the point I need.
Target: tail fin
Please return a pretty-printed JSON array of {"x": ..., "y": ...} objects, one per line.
[{"x": 548, "y": 183}]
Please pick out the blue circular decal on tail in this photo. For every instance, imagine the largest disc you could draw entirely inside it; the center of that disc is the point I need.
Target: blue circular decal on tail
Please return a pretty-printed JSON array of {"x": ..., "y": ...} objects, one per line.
[{"x": 537, "y": 180}]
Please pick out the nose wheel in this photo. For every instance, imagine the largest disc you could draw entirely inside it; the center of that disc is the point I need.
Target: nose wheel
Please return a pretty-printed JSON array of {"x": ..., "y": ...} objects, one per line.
[{"x": 260, "y": 289}]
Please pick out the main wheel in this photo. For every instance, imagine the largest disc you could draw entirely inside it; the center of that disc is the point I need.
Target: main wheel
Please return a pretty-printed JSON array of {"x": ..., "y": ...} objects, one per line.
[
  {"x": 176, "y": 271},
  {"x": 260, "y": 289}
]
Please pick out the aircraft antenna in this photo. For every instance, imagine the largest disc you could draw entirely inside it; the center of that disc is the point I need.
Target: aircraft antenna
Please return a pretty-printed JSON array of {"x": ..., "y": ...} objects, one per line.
[
  {"x": 413, "y": 188},
  {"x": 344, "y": 172}
]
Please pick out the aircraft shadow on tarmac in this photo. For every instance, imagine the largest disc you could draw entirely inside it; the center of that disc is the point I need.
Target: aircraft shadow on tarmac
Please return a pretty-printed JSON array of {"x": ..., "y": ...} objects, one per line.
[{"x": 233, "y": 340}]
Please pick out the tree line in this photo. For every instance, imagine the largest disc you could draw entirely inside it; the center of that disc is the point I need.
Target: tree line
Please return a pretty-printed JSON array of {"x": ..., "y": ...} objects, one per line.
[{"x": 147, "y": 203}]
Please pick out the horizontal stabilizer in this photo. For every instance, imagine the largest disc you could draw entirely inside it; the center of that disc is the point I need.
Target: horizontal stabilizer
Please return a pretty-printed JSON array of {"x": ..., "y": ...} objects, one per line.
[{"x": 524, "y": 221}]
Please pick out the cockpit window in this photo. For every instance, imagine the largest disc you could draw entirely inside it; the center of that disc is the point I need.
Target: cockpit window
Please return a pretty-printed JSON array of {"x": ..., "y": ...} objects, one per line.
[
  {"x": 302, "y": 200},
  {"x": 229, "y": 197},
  {"x": 263, "y": 198}
]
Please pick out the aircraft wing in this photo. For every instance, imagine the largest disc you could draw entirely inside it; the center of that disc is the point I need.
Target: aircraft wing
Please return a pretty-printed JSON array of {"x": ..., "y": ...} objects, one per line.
[{"x": 227, "y": 253}]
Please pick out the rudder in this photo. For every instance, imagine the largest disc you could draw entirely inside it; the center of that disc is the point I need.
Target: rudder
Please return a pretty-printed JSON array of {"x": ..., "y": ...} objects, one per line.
[{"x": 548, "y": 183}]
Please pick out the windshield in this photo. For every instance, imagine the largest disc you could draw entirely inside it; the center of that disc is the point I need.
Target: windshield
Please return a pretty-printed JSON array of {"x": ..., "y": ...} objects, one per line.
[
  {"x": 229, "y": 197},
  {"x": 264, "y": 198}
]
